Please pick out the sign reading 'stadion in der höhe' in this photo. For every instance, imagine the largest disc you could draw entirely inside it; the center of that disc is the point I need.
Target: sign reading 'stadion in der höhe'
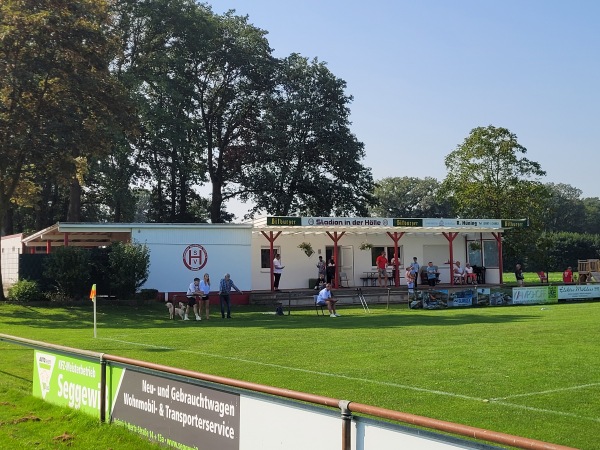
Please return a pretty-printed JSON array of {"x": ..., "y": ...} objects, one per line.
[{"x": 394, "y": 222}]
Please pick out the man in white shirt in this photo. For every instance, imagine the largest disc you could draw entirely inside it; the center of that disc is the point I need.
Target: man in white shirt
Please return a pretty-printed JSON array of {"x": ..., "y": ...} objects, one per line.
[
  {"x": 277, "y": 270},
  {"x": 325, "y": 298}
]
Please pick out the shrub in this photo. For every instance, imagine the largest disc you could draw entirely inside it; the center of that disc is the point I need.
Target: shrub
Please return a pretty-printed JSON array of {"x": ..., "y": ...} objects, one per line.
[
  {"x": 129, "y": 266},
  {"x": 24, "y": 291},
  {"x": 68, "y": 268}
]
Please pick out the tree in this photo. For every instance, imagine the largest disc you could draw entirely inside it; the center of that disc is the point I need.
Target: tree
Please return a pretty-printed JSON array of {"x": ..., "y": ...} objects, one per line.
[
  {"x": 489, "y": 178},
  {"x": 231, "y": 82},
  {"x": 410, "y": 197},
  {"x": 306, "y": 160},
  {"x": 162, "y": 43},
  {"x": 564, "y": 209},
  {"x": 592, "y": 215},
  {"x": 59, "y": 104}
]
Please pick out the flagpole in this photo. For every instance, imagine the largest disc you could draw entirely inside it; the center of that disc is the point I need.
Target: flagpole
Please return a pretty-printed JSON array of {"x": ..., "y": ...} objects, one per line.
[
  {"x": 93, "y": 298},
  {"x": 94, "y": 317}
]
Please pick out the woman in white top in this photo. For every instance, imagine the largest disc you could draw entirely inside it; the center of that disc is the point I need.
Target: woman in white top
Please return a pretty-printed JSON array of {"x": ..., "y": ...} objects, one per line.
[{"x": 204, "y": 300}]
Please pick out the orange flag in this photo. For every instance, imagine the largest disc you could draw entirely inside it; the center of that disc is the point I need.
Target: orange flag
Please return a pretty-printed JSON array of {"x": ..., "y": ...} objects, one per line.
[{"x": 93, "y": 292}]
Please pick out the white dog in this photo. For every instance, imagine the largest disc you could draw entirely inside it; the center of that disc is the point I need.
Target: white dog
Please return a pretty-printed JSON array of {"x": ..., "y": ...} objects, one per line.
[{"x": 179, "y": 311}]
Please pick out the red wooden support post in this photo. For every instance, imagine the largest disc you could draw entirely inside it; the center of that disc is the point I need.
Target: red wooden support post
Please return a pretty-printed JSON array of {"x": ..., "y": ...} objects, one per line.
[
  {"x": 498, "y": 237},
  {"x": 451, "y": 236},
  {"x": 396, "y": 237},
  {"x": 271, "y": 239},
  {"x": 335, "y": 238}
]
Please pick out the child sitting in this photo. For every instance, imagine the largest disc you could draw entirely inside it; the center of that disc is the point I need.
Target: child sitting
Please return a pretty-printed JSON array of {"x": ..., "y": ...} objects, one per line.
[{"x": 321, "y": 282}]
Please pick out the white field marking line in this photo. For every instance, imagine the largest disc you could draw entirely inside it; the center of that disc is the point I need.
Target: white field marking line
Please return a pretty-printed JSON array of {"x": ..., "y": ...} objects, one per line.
[
  {"x": 312, "y": 372},
  {"x": 550, "y": 411},
  {"x": 549, "y": 391},
  {"x": 365, "y": 380}
]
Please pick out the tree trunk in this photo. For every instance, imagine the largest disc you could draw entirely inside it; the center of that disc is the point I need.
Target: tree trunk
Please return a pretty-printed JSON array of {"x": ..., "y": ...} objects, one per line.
[
  {"x": 8, "y": 226},
  {"x": 3, "y": 204},
  {"x": 74, "y": 214},
  {"x": 216, "y": 203}
]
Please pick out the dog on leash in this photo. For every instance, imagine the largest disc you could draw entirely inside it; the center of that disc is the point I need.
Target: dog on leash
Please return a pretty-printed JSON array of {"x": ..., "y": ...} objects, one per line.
[{"x": 179, "y": 311}]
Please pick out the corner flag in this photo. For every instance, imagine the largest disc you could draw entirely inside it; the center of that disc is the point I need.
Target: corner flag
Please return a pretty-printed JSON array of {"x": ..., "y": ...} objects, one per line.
[{"x": 93, "y": 292}]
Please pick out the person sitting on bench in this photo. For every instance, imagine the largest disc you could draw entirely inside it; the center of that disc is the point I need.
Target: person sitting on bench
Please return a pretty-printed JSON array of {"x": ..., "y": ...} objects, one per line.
[{"x": 325, "y": 298}]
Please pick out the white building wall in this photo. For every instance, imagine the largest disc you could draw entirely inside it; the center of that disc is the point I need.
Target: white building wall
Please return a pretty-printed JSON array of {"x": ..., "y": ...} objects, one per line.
[
  {"x": 11, "y": 248},
  {"x": 228, "y": 250}
]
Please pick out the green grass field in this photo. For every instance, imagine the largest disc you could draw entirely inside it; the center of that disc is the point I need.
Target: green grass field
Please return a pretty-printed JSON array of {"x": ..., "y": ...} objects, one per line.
[{"x": 532, "y": 371}]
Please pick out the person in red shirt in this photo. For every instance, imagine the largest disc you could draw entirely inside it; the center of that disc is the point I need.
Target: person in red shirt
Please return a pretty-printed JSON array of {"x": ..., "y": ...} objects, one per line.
[
  {"x": 381, "y": 262},
  {"x": 568, "y": 275}
]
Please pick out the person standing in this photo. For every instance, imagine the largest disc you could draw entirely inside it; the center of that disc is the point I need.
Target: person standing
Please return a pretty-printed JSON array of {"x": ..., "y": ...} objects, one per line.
[
  {"x": 568, "y": 275},
  {"x": 277, "y": 270},
  {"x": 431, "y": 274},
  {"x": 205, "y": 288},
  {"x": 330, "y": 270},
  {"x": 519, "y": 275},
  {"x": 321, "y": 267},
  {"x": 414, "y": 270},
  {"x": 381, "y": 263},
  {"x": 192, "y": 292},
  {"x": 225, "y": 287}
]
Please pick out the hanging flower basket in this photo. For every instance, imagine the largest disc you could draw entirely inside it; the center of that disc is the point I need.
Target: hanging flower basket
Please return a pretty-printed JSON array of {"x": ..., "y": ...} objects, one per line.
[
  {"x": 365, "y": 246},
  {"x": 306, "y": 248},
  {"x": 475, "y": 245}
]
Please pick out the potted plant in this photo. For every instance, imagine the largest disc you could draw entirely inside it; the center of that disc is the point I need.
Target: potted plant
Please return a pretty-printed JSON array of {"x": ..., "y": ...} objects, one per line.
[
  {"x": 475, "y": 245},
  {"x": 365, "y": 246},
  {"x": 306, "y": 248}
]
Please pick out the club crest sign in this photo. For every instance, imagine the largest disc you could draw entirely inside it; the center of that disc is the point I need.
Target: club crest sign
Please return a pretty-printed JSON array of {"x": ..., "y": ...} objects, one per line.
[{"x": 195, "y": 257}]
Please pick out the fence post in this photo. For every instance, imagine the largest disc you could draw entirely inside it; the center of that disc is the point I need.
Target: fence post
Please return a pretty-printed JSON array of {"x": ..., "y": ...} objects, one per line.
[
  {"x": 102, "y": 389},
  {"x": 346, "y": 424}
]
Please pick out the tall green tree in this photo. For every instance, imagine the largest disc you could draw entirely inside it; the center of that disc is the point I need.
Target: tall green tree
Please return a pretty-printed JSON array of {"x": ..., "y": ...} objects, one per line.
[
  {"x": 410, "y": 197},
  {"x": 162, "y": 43},
  {"x": 489, "y": 177},
  {"x": 59, "y": 104},
  {"x": 564, "y": 209},
  {"x": 230, "y": 86},
  {"x": 592, "y": 215},
  {"x": 306, "y": 159}
]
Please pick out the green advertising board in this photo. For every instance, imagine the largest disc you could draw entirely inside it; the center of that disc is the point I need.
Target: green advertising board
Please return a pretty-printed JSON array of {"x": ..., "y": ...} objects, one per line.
[{"x": 67, "y": 381}]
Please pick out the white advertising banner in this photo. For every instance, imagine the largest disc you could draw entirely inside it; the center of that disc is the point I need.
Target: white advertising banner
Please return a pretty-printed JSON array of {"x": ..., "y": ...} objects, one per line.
[
  {"x": 347, "y": 222},
  {"x": 578, "y": 291},
  {"x": 454, "y": 223},
  {"x": 534, "y": 295}
]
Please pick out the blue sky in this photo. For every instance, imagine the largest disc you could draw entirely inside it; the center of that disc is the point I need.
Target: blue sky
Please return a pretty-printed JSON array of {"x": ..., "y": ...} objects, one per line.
[{"x": 424, "y": 73}]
